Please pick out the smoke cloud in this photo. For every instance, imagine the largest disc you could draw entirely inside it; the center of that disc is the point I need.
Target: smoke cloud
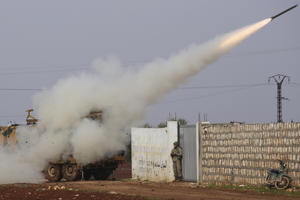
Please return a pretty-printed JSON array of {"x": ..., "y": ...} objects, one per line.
[{"x": 122, "y": 93}]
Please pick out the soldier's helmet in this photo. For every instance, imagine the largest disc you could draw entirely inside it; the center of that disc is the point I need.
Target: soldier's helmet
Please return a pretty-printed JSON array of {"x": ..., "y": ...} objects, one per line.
[{"x": 175, "y": 143}]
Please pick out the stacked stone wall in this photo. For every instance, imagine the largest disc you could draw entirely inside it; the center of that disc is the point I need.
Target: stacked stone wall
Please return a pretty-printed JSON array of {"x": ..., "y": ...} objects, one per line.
[{"x": 241, "y": 154}]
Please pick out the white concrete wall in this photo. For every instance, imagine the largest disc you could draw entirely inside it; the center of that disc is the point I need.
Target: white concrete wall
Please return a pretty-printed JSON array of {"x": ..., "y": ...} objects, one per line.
[{"x": 151, "y": 148}]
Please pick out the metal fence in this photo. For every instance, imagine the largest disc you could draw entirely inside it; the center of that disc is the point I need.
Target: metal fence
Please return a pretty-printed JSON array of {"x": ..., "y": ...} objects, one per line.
[{"x": 188, "y": 141}]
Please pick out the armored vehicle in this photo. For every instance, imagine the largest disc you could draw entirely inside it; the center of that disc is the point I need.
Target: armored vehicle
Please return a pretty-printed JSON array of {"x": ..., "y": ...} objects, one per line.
[{"x": 66, "y": 166}]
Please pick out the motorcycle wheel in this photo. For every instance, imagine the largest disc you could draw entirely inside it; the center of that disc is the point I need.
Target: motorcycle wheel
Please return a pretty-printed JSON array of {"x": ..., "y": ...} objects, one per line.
[
  {"x": 268, "y": 181},
  {"x": 283, "y": 183}
]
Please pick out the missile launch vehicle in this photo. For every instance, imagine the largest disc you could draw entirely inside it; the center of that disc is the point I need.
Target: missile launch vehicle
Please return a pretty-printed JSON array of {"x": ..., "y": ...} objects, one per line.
[{"x": 65, "y": 167}]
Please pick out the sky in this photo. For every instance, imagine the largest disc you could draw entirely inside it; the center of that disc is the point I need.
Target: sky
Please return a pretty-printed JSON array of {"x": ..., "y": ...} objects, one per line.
[{"x": 45, "y": 41}]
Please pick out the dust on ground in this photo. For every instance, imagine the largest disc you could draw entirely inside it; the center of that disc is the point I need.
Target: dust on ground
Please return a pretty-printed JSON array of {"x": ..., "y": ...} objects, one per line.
[{"x": 126, "y": 190}]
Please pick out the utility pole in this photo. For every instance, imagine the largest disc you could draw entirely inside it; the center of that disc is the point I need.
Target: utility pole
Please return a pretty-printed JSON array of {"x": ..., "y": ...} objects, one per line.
[{"x": 279, "y": 79}]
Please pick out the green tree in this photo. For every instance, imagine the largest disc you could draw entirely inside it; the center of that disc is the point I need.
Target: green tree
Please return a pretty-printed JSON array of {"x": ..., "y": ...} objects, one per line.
[
  {"x": 182, "y": 121},
  {"x": 162, "y": 125},
  {"x": 147, "y": 125}
]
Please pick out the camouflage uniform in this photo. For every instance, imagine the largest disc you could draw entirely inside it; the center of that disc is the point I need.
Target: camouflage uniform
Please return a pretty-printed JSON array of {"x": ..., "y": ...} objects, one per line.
[{"x": 176, "y": 154}]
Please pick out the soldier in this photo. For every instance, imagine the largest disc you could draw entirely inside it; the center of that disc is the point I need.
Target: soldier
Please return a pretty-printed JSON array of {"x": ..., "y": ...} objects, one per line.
[{"x": 176, "y": 155}]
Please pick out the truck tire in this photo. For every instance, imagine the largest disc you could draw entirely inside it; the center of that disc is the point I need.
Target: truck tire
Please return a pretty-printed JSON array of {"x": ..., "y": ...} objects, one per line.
[
  {"x": 102, "y": 174},
  {"x": 71, "y": 172},
  {"x": 87, "y": 174},
  {"x": 53, "y": 172}
]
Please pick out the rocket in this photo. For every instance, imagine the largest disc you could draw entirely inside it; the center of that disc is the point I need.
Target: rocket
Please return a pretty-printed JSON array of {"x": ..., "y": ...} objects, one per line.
[{"x": 284, "y": 12}]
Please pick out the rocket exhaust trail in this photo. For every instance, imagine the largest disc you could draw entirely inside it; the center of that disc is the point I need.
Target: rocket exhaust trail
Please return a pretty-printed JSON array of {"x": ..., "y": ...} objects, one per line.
[
  {"x": 284, "y": 12},
  {"x": 61, "y": 125}
]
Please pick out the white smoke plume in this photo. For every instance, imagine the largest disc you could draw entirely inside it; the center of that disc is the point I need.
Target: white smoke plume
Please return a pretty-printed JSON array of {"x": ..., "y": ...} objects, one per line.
[{"x": 122, "y": 93}]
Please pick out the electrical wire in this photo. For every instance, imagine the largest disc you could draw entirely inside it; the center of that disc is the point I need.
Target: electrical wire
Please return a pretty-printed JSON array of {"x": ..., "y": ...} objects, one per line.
[
  {"x": 20, "y": 89},
  {"x": 223, "y": 86},
  {"x": 238, "y": 86},
  {"x": 295, "y": 83},
  {"x": 215, "y": 93},
  {"x": 269, "y": 51},
  {"x": 39, "y": 70},
  {"x": 45, "y": 67},
  {"x": 12, "y": 116}
]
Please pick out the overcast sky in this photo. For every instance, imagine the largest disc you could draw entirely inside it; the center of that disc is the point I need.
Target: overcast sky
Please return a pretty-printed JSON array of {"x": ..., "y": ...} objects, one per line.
[{"x": 44, "y": 41}]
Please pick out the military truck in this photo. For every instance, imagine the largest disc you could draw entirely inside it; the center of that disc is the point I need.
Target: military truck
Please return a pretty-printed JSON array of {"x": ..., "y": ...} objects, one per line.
[{"x": 66, "y": 166}]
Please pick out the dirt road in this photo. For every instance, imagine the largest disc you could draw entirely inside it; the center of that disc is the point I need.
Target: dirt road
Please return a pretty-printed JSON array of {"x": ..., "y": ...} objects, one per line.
[{"x": 126, "y": 190}]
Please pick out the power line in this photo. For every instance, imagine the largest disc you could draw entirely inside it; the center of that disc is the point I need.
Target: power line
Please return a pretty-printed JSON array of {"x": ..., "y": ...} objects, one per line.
[
  {"x": 40, "y": 71},
  {"x": 70, "y": 67},
  {"x": 86, "y": 66},
  {"x": 45, "y": 67},
  {"x": 268, "y": 51},
  {"x": 294, "y": 83},
  {"x": 12, "y": 116},
  {"x": 238, "y": 86},
  {"x": 223, "y": 86},
  {"x": 20, "y": 89},
  {"x": 183, "y": 88},
  {"x": 215, "y": 94}
]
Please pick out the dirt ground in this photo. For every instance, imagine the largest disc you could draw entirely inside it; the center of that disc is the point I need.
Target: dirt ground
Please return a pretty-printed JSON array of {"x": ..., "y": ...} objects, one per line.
[{"x": 126, "y": 190}]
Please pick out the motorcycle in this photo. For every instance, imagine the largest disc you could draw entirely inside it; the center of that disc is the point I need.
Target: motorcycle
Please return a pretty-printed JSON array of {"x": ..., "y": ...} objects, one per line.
[{"x": 279, "y": 178}]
